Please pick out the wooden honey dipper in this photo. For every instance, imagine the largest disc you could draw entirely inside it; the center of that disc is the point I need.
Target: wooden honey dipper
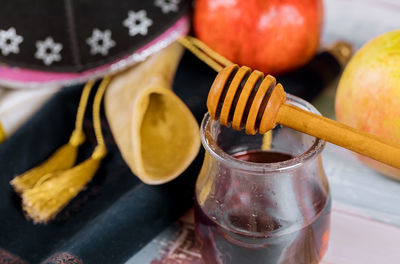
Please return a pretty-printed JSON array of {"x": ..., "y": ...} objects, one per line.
[{"x": 246, "y": 99}]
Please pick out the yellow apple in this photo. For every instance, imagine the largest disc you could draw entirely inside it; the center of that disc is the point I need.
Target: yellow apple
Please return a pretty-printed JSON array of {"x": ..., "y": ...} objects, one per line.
[{"x": 368, "y": 95}]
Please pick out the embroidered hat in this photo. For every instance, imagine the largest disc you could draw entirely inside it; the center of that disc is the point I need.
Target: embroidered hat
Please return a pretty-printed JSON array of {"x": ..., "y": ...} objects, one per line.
[{"x": 74, "y": 40}]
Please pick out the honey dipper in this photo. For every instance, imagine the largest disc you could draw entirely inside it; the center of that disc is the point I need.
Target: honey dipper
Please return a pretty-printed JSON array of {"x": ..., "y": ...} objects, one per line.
[{"x": 246, "y": 99}]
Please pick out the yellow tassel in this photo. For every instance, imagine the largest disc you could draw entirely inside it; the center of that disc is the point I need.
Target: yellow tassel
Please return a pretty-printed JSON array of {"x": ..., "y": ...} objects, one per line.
[
  {"x": 53, "y": 191},
  {"x": 43, "y": 202},
  {"x": 267, "y": 140},
  {"x": 63, "y": 158},
  {"x": 2, "y": 134}
]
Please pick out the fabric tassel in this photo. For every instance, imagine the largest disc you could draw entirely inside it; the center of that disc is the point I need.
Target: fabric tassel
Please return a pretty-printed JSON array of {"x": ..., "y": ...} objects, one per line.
[
  {"x": 43, "y": 202},
  {"x": 63, "y": 158},
  {"x": 53, "y": 192},
  {"x": 2, "y": 134}
]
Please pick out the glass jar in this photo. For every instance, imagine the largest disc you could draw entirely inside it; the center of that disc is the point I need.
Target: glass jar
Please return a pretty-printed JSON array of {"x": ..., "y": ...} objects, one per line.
[{"x": 249, "y": 212}]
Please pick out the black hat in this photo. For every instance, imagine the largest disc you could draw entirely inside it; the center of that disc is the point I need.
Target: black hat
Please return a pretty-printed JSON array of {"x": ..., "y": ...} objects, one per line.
[{"x": 65, "y": 41}]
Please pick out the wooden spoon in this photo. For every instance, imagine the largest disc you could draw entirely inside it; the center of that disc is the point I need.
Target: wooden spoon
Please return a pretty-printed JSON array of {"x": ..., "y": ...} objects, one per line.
[{"x": 247, "y": 99}]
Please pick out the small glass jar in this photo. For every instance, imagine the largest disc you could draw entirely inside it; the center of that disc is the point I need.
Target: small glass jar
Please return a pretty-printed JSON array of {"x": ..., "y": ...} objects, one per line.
[{"x": 252, "y": 212}]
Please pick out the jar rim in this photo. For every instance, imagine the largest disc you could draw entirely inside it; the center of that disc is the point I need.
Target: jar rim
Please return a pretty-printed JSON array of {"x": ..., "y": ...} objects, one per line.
[{"x": 264, "y": 168}]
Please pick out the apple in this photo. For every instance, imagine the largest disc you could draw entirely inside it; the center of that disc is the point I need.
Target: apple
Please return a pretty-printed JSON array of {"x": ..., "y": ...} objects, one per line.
[
  {"x": 368, "y": 94},
  {"x": 273, "y": 36}
]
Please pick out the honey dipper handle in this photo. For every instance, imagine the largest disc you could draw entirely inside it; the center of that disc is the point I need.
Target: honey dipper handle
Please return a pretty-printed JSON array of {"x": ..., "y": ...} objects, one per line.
[{"x": 339, "y": 134}]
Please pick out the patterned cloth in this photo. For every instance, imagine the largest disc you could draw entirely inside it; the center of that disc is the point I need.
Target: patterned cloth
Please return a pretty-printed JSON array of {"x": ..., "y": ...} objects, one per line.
[{"x": 71, "y": 35}]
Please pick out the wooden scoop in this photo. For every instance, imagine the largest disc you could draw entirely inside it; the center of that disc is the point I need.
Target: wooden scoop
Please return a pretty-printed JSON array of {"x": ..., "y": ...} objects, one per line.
[
  {"x": 247, "y": 99},
  {"x": 155, "y": 131}
]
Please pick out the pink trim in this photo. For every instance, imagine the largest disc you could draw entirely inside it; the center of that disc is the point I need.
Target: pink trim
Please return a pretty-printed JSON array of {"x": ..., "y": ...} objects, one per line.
[{"x": 21, "y": 75}]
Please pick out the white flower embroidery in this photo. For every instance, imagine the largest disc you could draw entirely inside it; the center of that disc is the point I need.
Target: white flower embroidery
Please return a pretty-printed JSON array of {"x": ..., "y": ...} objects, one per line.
[
  {"x": 9, "y": 41},
  {"x": 100, "y": 42},
  {"x": 137, "y": 23},
  {"x": 167, "y": 5},
  {"x": 48, "y": 51}
]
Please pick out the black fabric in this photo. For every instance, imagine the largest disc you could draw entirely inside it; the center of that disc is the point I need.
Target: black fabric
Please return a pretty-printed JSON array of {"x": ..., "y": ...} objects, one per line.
[
  {"x": 117, "y": 214},
  {"x": 71, "y": 23},
  {"x": 308, "y": 81}
]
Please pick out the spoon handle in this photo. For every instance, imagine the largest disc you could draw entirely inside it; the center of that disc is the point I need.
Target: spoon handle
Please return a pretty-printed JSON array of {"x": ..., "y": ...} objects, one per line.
[{"x": 339, "y": 134}]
